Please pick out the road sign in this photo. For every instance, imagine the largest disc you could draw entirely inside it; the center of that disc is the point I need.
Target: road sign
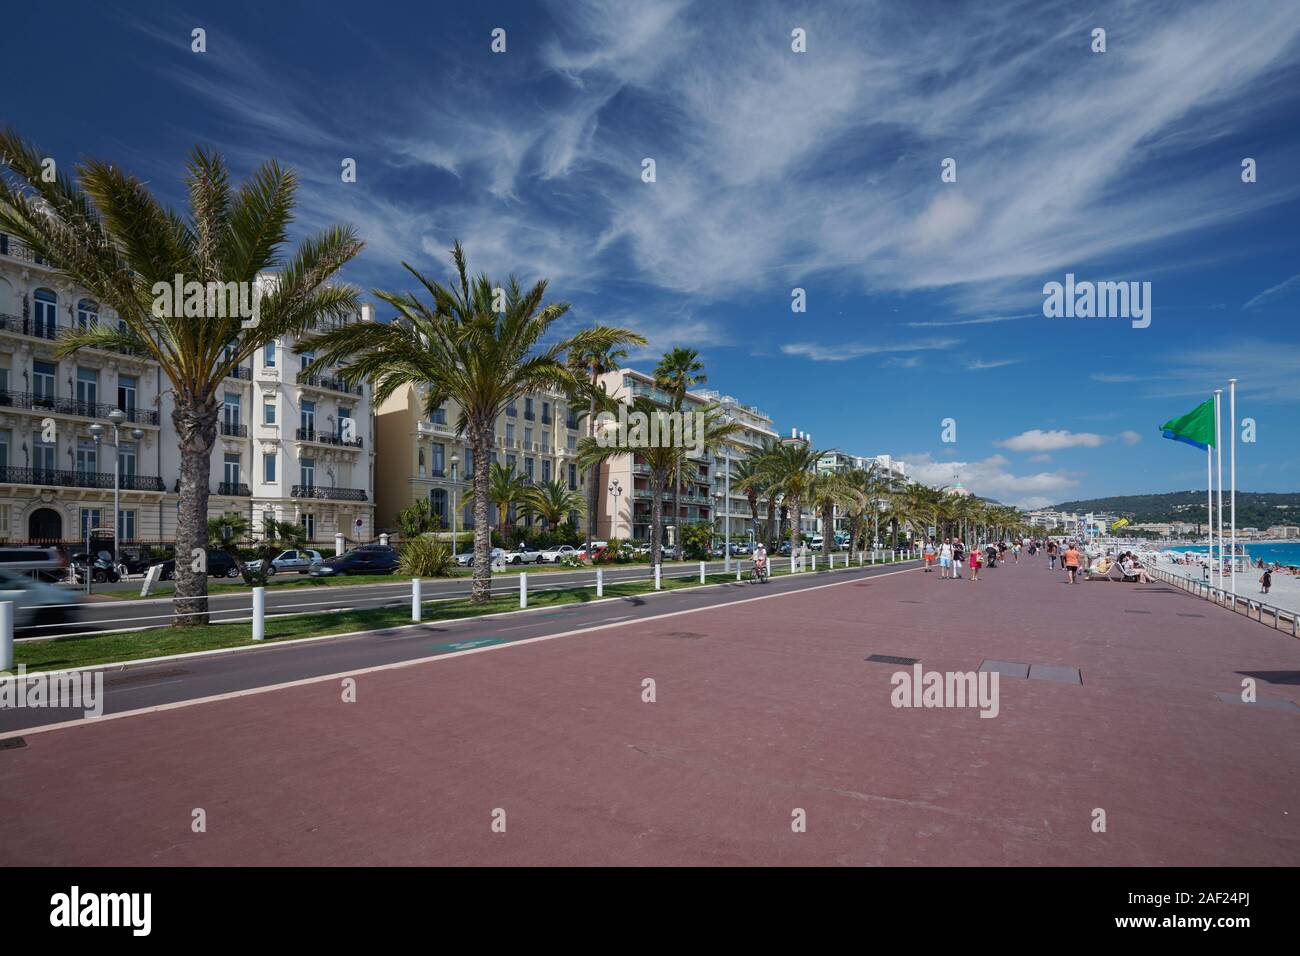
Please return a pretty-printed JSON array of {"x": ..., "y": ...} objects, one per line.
[
  {"x": 358, "y": 523},
  {"x": 151, "y": 578}
]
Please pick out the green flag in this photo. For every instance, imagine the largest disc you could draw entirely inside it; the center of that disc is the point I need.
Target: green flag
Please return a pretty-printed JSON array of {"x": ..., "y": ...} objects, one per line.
[{"x": 1194, "y": 428}]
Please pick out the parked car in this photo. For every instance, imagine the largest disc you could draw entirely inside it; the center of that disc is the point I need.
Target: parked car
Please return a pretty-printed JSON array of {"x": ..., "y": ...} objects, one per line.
[
  {"x": 49, "y": 564},
  {"x": 220, "y": 565},
  {"x": 524, "y": 554},
  {"x": 367, "y": 559},
  {"x": 36, "y": 604},
  {"x": 556, "y": 555},
  {"x": 742, "y": 548},
  {"x": 598, "y": 549},
  {"x": 295, "y": 559},
  {"x": 102, "y": 568},
  {"x": 466, "y": 558}
]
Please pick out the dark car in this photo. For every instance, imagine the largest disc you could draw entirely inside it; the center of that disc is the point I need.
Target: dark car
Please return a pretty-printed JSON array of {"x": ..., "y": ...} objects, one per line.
[
  {"x": 367, "y": 559},
  {"x": 220, "y": 565}
]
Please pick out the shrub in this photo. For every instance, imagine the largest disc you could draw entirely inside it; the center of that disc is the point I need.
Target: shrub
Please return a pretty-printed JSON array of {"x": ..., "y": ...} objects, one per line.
[{"x": 423, "y": 557}]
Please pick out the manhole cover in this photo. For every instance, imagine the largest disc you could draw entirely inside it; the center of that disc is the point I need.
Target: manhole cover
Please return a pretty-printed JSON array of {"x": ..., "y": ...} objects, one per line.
[
  {"x": 890, "y": 659},
  {"x": 13, "y": 743}
]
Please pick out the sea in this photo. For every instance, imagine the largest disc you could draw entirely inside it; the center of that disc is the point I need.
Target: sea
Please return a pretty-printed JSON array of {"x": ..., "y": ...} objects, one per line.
[{"x": 1281, "y": 552}]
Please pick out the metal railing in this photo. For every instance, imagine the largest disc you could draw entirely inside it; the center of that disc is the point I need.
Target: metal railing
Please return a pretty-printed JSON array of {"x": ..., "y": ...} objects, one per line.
[
  {"x": 72, "y": 406},
  {"x": 332, "y": 494},
  {"x": 49, "y": 331},
  {"x": 234, "y": 488},
  {"x": 1279, "y": 618},
  {"x": 326, "y": 438},
  {"x": 331, "y": 384},
  {"x": 234, "y": 429},
  {"x": 63, "y": 478}
]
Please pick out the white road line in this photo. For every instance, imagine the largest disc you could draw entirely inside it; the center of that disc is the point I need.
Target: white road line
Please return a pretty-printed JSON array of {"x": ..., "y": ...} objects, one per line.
[{"x": 398, "y": 665}]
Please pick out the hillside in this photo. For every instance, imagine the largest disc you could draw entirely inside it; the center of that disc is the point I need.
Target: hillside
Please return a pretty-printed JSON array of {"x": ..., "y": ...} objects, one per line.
[{"x": 1254, "y": 509}]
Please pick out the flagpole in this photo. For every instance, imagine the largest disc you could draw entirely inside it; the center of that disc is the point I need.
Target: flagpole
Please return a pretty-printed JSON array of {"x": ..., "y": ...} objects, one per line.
[
  {"x": 1232, "y": 468},
  {"x": 1209, "y": 506},
  {"x": 1218, "y": 456}
]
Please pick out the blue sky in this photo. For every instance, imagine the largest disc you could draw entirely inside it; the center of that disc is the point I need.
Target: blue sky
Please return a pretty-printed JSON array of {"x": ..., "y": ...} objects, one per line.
[{"x": 778, "y": 170}]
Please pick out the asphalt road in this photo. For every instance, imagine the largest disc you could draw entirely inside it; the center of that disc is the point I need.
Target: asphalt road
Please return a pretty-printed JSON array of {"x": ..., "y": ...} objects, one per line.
[
  {"x": 167, "y": 682},
  {"x": 105, "y": 615}
]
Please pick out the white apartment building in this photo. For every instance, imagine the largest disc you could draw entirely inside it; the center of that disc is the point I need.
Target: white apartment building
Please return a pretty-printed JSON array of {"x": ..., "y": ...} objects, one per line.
[{"x": 279, "y": 448}]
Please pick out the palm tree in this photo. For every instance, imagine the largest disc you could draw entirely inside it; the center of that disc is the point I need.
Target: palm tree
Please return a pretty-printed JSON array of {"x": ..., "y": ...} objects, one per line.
[
  {"x": 478, "y": 344},
  {"x": 107, "y": 233},
  {"x": 790, "y": 472},
  {"x": 593, "y": 363},
  {"x": 506, "y": 487},
  {"x": 553, "y": 501},
  {"x": 861, "y": 484},
  {"x": 662, "y": 459},
  {"x": 748, "y": 478},
  {"x": 828, "y": 490},
  {"x": 676, "y": 372}
]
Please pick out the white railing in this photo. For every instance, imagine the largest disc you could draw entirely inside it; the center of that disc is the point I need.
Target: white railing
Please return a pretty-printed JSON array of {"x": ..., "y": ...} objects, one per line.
[{"x": 1280, "y": 618}]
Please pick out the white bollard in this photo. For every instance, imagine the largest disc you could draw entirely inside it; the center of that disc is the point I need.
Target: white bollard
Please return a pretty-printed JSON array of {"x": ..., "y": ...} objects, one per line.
[
  {"x": 859, "y": 559},
  {"x": 338, "y": 543},
  {"x": 383, "y": 539},
  {"x": 656, "y": 577},
  {"x": 259, "y": 613},
  {"x": 814, "y": 562},
  {"x": 416, "y": 604},
  {"x": 523, "y": 589},
  {"x": 600, "y": 582},
  {"x": 701, "y": 572},
  {"x": 737, "y": 572},
  {"x": 6, "y": 635}
]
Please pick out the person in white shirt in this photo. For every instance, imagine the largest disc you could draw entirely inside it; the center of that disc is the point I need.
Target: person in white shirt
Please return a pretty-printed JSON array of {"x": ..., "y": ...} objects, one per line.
[
  {"x": 760, "y": 562},
  {"x": 945, "y": 558}
]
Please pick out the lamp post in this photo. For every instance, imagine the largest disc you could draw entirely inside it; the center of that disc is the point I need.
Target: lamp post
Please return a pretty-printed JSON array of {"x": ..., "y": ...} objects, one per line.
[
  {"x": 455, "y": 460},
  {"x": 616, "y": 490},
  {"x": 116, "y": 417},
  {"x": 726, "y": 547}
]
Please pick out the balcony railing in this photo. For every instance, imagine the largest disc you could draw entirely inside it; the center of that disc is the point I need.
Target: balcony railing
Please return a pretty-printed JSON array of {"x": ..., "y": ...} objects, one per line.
[
  {"x": 49, "y": 331},
  {"x": 62, "y": 478},
  {"x": 234, "y": 429},
  {"x": 241, "y": 372},
  {"x": 72, "y": 406},
  {"x": 333, "y": 494},
  {"x": 17, "y": 249},
  {"x": 325, "y": 438},
  {"x": 331, "y": 384},
  {"x": 234, "y": 488}
]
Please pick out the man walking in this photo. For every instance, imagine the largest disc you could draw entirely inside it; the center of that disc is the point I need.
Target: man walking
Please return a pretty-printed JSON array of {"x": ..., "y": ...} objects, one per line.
[
  {"x": 1070, "y": 561},
  {"x": 945, "y": 559}
]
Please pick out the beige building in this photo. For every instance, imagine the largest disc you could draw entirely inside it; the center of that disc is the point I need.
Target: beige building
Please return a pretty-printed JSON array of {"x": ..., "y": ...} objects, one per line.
[{"x": 422, "y": 457}]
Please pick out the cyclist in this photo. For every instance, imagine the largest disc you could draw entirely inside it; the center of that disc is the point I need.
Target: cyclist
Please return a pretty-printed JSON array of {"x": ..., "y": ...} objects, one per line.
[{"x": 760, "y": 562}]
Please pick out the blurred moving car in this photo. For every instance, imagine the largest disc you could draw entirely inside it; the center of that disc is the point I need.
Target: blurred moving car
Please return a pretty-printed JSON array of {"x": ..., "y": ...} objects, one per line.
[
  {"x": 301, "y": 560},
  {"x": 220, "y": 565},
  {"x": 367, "y": 559},
  {"x": 36, "y": 604},
  {"x": 49, "y": 564}
]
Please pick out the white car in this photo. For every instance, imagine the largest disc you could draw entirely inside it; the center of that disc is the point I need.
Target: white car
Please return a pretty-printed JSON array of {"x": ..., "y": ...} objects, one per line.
[
  {"x": 466, "y": 558},
  {"x": 37, "y": 604},
  {"x": 524, "y": 554},
  {"x": 300, "y": 560},
  {"x": 556, "y": 555}
]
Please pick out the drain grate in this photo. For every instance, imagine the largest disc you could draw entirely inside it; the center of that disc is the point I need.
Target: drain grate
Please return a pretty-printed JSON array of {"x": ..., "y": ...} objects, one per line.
[
  {"x": 12, "y": 743},
  {"x": 1006, "y": 668},
  {"x": 1275, "y": 703},
  {"x": 890, "y": 659}
]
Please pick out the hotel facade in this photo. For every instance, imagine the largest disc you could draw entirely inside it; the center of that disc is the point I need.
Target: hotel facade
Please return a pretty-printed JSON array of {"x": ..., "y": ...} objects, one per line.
[{"x": 283, "y": 447}]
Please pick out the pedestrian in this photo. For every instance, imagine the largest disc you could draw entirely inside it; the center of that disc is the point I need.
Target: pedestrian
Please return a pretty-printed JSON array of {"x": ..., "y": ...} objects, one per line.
[
  {"x": 1051, "y": 555},
  {"x": 974, "y": 564},
  {"x": 1265, "y": 581},
  {"x": 958, "y": 555},
  {"x": 929, "y": 554},
  {"x": 1070, "y": 561},
  {"x": 945, "y": 559}
]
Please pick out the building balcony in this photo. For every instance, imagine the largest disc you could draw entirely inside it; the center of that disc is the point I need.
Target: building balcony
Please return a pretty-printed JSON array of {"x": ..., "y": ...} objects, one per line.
[
  {"x": 242, "y": 372},
  {"x": 62, "y": 478},
  {"x": 233, "y": 429},
  {"x": 439, "y": 429},
  {"x": 235, "y": 489},
  {"x": 327, "y": 384},
  {"x": 326, "y": 438},
  {"x": 71, "y": 406},
  {"x": 12, "y": 248},
  {"x": 51, "y": 331},
  {"x": 329, "y": 494}
]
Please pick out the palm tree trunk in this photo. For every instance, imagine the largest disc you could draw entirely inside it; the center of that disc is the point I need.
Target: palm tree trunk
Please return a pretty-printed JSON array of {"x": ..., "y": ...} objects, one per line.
[
  {"x": 196, "y": 428},
  {"x": 593, "y": 480},
  {"x": 677, "y": 508},
  {"x": 782, "y": 522},
  {"x": 657, "y": 482},
  {"x": 796, "y": 535},
  {"x": 828, "y": 528},
  {"x": 483, "y": 435},
  {"x": 772, "y": 531},
  {"x": 753, "y": 513}
]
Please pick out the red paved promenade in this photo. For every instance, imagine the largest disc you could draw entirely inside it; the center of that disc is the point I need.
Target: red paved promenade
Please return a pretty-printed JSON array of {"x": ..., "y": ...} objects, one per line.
[{"x": 762, "y": 707}]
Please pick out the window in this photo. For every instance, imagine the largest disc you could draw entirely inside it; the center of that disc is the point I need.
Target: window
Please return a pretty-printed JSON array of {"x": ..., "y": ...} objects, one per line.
[
  {"x": 268, "y": 355},
  {"x": 268, "y": 411},
  {"x": 308, "y": 419},
  {"x": 546, "y": 469},
  {"x": 309, "y": 522},
  {"x": 87, "y": 390},
  {"x": 268, "y": 467},
  {"x": 347, "y": 427},
  {"x": 42, "y": 453},
  {"x": 90, "y": 520},
  {"x": 510, "y": 464},
  {"x": 4, "y": 448},
  {"x": 307, "y": 359},
  {"x": 231, "y": 472},
  {"x": 126, "y": 394},
  {"x": 528, "y": 468},
  {"x": 438, "y": 504},
  {"x": 126, "y": 525},
  {"x": 439, "y": 455},
  {"x": 87, "y": 457},
  {"x": 307, "y": 472},
  {"x": 510, "y": 434},
  {"x": 231, "y": 411},
  {"x": 528, "y": 409},
  {"x": 469, "y": 463},
  {"x": 528, "y": 438},
  {"x": 46, "y": 311},
  {"x": 546, "y": 413},
  {"x": 4, "y": 521},
  {"x": 512, "y": 410},
  {"x": 87, "y": 314},
  {"x": 421, "y": 471},
  {"x": 127, "y": 459},
  {"x": 43, "y": 377},
  {"x": 439, "y": 416}
]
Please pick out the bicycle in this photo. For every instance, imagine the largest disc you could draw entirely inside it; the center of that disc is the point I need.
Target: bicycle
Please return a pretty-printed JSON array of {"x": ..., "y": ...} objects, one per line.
[{"x": 758, "y": 573}]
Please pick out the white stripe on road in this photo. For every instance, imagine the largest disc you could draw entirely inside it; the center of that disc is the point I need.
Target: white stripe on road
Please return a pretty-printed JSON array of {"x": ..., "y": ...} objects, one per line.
[{"x": 397, "y": 665}]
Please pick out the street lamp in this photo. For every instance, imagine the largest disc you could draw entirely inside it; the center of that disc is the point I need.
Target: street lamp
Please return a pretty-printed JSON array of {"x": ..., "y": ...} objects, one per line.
[
  {"x": 726, "y": 534},
  {"x": 726, "y": 548},
  {"x": 615, "y": 489},
  {"x": 455, "y": 460},
  {"x": 116, "y": 417}
]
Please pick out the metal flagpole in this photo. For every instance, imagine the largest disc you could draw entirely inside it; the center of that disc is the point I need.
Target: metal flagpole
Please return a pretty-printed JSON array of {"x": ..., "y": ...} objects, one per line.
[
  {"x": 1218, "y": 456},
  {"x": 1209, "y": 505},
  {"x": 1232, "y": 467}
]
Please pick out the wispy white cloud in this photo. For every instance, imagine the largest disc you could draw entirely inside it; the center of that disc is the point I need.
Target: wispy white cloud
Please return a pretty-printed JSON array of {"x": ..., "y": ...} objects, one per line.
[
  {"x": 845, "y": 351},
  {"x": 1054, "y": 440},
  {"x": 1285, "y": 287},
  {"x": 978, "y": 365},
  {"x": 993, "y": 477}
]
